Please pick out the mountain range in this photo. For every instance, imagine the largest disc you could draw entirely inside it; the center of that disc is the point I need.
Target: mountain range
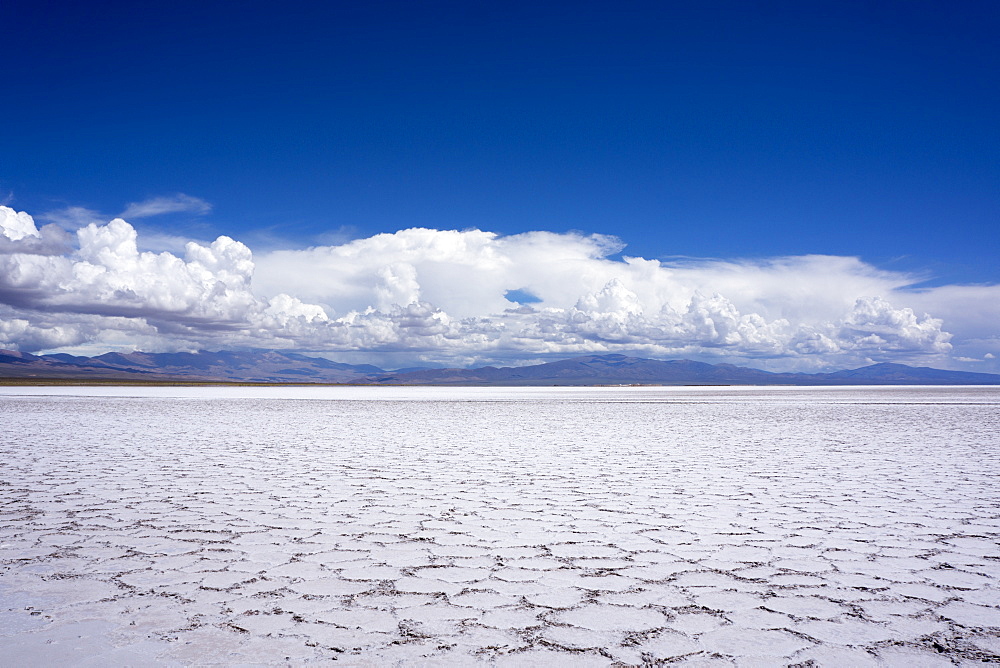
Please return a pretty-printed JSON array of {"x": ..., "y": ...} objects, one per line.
[{"x": 271, "y": 366}]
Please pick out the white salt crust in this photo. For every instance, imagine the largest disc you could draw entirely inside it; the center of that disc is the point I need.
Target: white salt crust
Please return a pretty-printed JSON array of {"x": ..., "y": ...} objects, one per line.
[{"x": 531, "y": 526}]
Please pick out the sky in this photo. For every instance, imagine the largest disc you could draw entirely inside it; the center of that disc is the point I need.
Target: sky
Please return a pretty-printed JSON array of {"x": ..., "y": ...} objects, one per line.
[{"x": 781, "y": 184}]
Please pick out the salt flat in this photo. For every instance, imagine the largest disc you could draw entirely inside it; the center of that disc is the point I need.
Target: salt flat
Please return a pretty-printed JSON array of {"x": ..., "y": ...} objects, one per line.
[{"x": 528, "y": 526}]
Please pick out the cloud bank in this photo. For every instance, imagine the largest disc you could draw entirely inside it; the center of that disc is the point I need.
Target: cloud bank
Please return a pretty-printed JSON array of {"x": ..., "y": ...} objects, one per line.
[{"x": 440, "y": 295}]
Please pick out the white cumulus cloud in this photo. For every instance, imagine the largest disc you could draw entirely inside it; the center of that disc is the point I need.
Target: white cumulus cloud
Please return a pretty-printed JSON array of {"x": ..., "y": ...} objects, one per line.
[
  {"x": 16, "y": 225},
  {"x": 18, "y": 234},
  {"x": 440, "y": 294}
]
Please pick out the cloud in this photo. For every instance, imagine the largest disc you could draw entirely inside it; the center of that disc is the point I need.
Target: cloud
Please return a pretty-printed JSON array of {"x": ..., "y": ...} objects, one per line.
[
  {"x": 31, "y": 330},
  {"x": 584, "y": 302},
  {"x": 18, "y": 234},
  {"x": 466, "y": 273},
  {"x": 444, "y": 295},
  {"x": 72, "y": 217},
  {"x": 874, "y": 324},
  {"x": 16, "y": 225},
  {"x": 155, "y": 206}
]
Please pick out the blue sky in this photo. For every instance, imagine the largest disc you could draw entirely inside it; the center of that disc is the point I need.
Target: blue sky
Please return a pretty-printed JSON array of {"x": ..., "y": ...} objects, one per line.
[{"x": 734, "y": 131}]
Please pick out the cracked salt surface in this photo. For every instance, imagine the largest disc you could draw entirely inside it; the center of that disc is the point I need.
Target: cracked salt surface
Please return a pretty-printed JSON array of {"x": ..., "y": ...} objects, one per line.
[{"x": 527, "y": 526}]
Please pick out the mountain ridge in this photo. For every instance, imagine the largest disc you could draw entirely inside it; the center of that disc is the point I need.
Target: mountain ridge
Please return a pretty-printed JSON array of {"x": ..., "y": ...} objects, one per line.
[{"x": 272, "y": 366}]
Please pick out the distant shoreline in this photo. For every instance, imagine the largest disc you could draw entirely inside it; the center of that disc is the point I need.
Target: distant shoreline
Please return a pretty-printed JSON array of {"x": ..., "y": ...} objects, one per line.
[
  {"x": 70, "y": 382},
  {"x": 103, "y": 382}
]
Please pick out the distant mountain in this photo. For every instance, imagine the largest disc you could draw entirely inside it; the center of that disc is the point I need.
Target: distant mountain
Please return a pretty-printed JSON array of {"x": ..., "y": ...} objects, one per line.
[
  {"x": 270, "y": 366},
  {"x": 888, "y": 373},
  {"x": 620, "y": 369},
  {"x": 267, "y": 366},
  {"x": 588, "y": 370}
]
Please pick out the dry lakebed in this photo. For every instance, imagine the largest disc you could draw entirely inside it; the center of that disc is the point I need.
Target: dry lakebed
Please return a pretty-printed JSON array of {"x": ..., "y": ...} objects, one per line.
[{"x": 380, "y": 526}]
